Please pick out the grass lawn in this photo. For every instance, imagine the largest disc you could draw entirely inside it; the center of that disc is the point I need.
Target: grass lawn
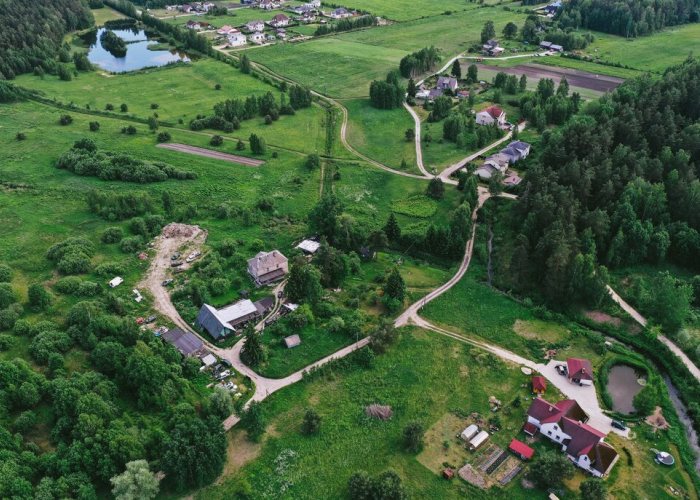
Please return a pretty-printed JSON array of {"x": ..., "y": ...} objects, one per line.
[
  {"x": 380, "y": 134},
  {"x": 106, "y": 14}
]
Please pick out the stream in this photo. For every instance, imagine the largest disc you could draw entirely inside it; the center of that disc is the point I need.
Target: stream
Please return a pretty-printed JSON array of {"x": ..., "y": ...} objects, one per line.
[{"x": 685, "y": 420}]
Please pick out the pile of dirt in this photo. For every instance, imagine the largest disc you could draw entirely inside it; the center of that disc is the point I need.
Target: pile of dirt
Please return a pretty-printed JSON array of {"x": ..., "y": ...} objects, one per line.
[
  {"x": 177, "y": 230},
  {"x": 657, "y": 420},
  {"x": 378, "y": 411}
]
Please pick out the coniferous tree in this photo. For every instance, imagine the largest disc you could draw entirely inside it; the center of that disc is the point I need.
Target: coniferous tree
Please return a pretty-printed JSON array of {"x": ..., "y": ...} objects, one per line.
[{"x": 392, "y": 229}]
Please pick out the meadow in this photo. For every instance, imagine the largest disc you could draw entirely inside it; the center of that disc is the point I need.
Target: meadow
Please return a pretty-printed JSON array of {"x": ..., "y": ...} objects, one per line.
[
  {"x": 106, "y": 14},
  {"x": 380, "y": 134}
]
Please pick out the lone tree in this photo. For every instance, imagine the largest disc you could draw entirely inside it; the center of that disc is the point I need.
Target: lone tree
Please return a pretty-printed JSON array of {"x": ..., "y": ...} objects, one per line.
[
  {"x": 435, "y": 189},
  {"x": 220, "y": 403},
  {"x": 457, "y": 69},
  {"x": 510, "y": 30},
  {"x": 394, "y": 291},
  {"x": 245, "y": 64},
  {"x": 252, "y": 351},
  {"x": 551, "y": 470},
  {"x": 472, "y": 74},
  {"x": 413, "y": 436},
  {"x": 392, "y": 229},
  {"x": 216, "y": 140},
  {"x": 523, "y": 83},
  {"x": 137, "y": 482},
  {"x": 488, "y": 33},
  {"x": 258, "y": 146},
  {"x": 255, "y": 421},
  {"x": 410, "y": 135},
  {"x": 39, "y": 297},
  {"x": 312, "y": 422},
  {"x": 313, "y": 161},
  {"x": 593, "y": 489}
]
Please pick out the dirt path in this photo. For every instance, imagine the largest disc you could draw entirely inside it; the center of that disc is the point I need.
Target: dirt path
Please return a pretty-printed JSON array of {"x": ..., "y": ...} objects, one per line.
[
  {"x": 209, "y": 153},
  {"x": 692, "y": 367},
  {"x": 419, "y": 150},
  {"x": 174, "y": 237}
]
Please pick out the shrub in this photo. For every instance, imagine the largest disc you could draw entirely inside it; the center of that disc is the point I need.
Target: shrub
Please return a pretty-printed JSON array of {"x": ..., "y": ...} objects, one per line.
[
  {"x": 112, "y": 235},
  {"x": 154, "y": 106},
  {"x": 39, "y": 297},
  {"x": 66, "y": 119},
  {"x": 164, "y": 137},
  {"x": 124, "y": 108},
  {"x": 216, "y": 140},
  {"x": 94, "y": 126},
  {"x": 68, "y": 285},
  {"x": 5, "y": 273},
  {"x": 20, "y": 136},
  {"x": 131, "y": 245},
  {"x": 109, "y": 107}
]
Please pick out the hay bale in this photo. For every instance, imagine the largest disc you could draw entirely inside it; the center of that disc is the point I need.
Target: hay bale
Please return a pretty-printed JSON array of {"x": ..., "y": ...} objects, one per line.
[{"x": 379, "y": 412}]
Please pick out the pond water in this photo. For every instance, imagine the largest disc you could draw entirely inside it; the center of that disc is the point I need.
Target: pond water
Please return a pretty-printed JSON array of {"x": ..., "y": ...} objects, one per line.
[
  {"x": 137, "y": 53},
  {"x": 623, "y": 387}
]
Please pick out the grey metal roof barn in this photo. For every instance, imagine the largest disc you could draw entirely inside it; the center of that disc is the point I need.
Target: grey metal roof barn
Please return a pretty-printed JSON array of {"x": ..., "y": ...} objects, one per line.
[{"x": 185, "y": 342}]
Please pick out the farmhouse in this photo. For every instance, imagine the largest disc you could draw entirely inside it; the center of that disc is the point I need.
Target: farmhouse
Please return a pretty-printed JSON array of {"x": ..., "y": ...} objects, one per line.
[
  {"x": 267, "y": 267},
  {"x": 193, "y": 25},
  {"x": 491, "y": 48},
  {"x": 447, "y": 83},
  {"x": 539, "y": 384},
  {"x": 257, "y": 37},
  {"x": 237, "y": 39},
  {"x": 187, "y": 343},
  {"x": 303, "y": 9},
  {"x": 267, "y": 5},
  {"x": 565, "y": 424},
  {"x": 492, "y": 164},
  {"x": 579, "y": 371},
  {"x": 223, "y": 322},
  {"x": 279, "y": 20},
  {"x": 339, "y": 13},
  {"x": 306, "y": 18},
  {"x": 315, "y": 4},
  {"x": 255, "y": 26},
  {"x": 225, "y": 30},
  {"x": 516, "y": 151},
  {"x": 186, "y": 8},
  {"x": 491, "y": 115}
]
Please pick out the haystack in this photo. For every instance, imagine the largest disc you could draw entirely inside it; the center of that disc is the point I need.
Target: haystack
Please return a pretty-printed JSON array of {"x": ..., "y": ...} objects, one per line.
[{"x": 378, "y": 411}]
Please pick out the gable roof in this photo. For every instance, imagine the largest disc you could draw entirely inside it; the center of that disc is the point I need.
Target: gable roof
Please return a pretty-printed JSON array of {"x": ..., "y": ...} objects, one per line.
[
  {"x": 264, "y": 304},
  {"x": 254, "y": 23},
  {"x": 494, "y": 111},
  {"x": 242, "y": 308},
  {"x": 539, "y": 383},
  {"x": 519, "y": 145},
  {"x": 605, "y": 456},
  {"x": 579, "y": 369},
  {"x": 280, "y": 17},
  {"x": 185, "y": 342},
  {"x": 546, "y": 412},
  {"x": 521, "y": 448},
  {"x": 266, "y": 262},
  {"x": 446, "y": 81},
  {"x": 210, "y": 321},
  {"x": 340, "y": 10}
]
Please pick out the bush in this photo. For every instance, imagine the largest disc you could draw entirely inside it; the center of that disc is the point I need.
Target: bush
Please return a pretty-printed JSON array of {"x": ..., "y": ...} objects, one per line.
[
  {"x": 112, "y": 235},
  {"x": 216, "y": 140},
  {"x": 109, "y": 107},
  {"x": 131, "y": 245},
  {"x": 66, "y": 119},
  {"x": 154, "y": 106},
  {"x": 164, "y": 137},
  {"x": 94, "y": 126},
  {"x": 68, "y": 285},
  {"x": 39, "y": 297},
  {"x": 20, "y": 136},
  {"x": 5, "y": 273}
]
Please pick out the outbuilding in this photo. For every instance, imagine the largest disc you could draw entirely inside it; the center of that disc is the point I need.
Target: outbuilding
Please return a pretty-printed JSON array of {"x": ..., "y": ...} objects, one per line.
[
  {"x": 539, "y": 384},
  {"x": 469, "y": 432},
  {"x": 479, "y": 440},
  {"x": 116, "y": 282},
  {"x": 292, "y": 341},
  {"x": 309, "y": 246},
  {"x": 187, "y": 343},
  {"x": 521, "y": 449}
]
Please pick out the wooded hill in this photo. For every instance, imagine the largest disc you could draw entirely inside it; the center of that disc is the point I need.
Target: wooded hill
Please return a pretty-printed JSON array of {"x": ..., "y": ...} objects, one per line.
[{"x": 31, "y": 32}]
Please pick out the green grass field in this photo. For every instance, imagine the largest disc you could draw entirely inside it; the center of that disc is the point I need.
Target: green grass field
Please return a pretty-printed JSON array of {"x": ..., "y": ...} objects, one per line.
[
  {"x": 106, "y": 14},
  {"x": 380, "y": 134}
]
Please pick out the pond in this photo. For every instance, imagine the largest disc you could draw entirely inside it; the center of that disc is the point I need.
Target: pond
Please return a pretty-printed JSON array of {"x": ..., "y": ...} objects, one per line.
[
  {"x": 623, "y": 387},
  {"x": 138, "y": 55}
]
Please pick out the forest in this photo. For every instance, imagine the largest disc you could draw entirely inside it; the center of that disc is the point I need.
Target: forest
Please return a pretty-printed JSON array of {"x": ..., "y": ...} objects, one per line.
[
  {"x": 616, "y": 186},
  {"x": 31, "y": 33},
  {"x": 628, "y": 18}
]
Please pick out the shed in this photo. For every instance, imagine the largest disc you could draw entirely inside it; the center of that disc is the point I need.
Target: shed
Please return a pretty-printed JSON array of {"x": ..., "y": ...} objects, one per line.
[
  {"x": 185, "y": 342},
  {"x": 539, "y": 384},
  {"x": 521, "y": 449},
  {"x": 530, "y": 429},
  {"x": 116, "y": 282},
  {"x": 289, "y": 307},
  {"x": 479, "y": 440},
  {"x": 448, "y": 473},
  {"x": 469, "y": 432},
  {"x": 263, "y": 305},
  {"x": 208, "y": 360},
  {"x": 309, "y": 246},
  {"x": 292, "y": 341}
]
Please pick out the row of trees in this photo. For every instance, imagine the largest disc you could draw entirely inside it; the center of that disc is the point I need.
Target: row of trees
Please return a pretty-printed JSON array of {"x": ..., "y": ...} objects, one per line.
[
  {"x": 546, "y": 106},
  {"x": 85, "y": 159},
  {"x": 31, "y": 33},
  {"x": 628, "y": 18},
  {"x": 419, "y": 62},
  {"x": 388, "y": 94},
  {"x": 346, "y": 25}
]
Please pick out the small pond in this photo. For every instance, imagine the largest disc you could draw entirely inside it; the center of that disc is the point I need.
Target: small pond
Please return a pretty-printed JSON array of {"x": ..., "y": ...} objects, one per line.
[
  {"x": 137, "y": 53},
  {"x": 623, "y": 387}
]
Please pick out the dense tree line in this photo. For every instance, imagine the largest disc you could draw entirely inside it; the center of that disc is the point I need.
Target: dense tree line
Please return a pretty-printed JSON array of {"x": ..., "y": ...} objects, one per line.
[
  {"x": 628, "y": 18},
  {"x": 188, "y": 38},
  {"x": 115, "y": 206},
  {"x": 419, "y": 62},
  {"x": 123, "y": 6},
  {"x": 546, "y": 106},
  {"x": 346, "y": 25},
  {"x": 388, "y": 94},
  {"x": 31, "y": 33},
  {"x": 85, "y": 159},
  {"x": 617, "y": 186}
]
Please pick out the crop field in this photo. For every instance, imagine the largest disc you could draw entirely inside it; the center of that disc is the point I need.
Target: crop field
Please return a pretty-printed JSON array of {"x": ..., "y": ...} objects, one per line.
[{"x": 380, "y": 134}]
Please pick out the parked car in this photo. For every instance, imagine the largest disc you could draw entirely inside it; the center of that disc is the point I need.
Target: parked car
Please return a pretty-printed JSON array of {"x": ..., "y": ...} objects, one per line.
[
  {"x": 226, "y": 362},
  {"x": 197, "y": 253},
  {"x": 176, "y": 264},
  {"x": 223, "y": 375},
  {"x": 618, "y": 424},
  {"x": 151, "y": 319},
  {"x": 175, "y": 256},
  {"x": 167, "y": 282},
  {"x": 178, "y": 271}
]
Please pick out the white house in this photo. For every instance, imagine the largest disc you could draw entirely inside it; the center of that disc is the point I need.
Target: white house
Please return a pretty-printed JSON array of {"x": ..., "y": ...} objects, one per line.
[
  {"x": 116, "y": 282},
  {"x": 237, "y": 39},
  {"x": 225, "y": 30},
  {"x": 314, "y": 4},
  {"x": 492, "y": 164},
  {"x": 255, "y": 26},
  {"x": 257, "y": 37},
  {"x": 339, "y": 13},
  {"x": 565, "y": 424},
  {"x": 267, "y": 5},
  {"x": 267, "y": 267},
  {"x": 447, "y": 83},
  {"x": 491, "y": 115},
  {"x": 279, "y": 20},
  {"x": 516, "y": 151}
]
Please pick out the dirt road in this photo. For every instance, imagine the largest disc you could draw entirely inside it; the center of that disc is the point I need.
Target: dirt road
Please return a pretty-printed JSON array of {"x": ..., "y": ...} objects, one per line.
[
  {"x": 174, "y": 237},
  {"x": 216, "y": 155}
]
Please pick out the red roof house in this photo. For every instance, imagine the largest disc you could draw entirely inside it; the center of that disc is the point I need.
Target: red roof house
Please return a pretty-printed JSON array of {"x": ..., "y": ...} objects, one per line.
[
  {"x": 580, "y": 371},
  {"x": 539, "y": 384},
  {"x": 521, "y": 449}
]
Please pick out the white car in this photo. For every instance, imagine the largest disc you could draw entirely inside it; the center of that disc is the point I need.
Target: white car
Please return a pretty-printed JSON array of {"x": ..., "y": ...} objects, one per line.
[{"x": 223, "y": 374}]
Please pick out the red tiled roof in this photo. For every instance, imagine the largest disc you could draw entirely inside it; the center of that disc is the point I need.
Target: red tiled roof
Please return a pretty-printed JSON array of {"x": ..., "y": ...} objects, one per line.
[
  {"x": 494, "y": 111},
  {"x": 530, "y": 428},
  {"x": 547, "y": 412},
  {"x": 521, "y": 449},
  {"x": 579, "y": 369},
  {"x": 583, "y": 437},
  {"x": 539, "y": 383}
]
